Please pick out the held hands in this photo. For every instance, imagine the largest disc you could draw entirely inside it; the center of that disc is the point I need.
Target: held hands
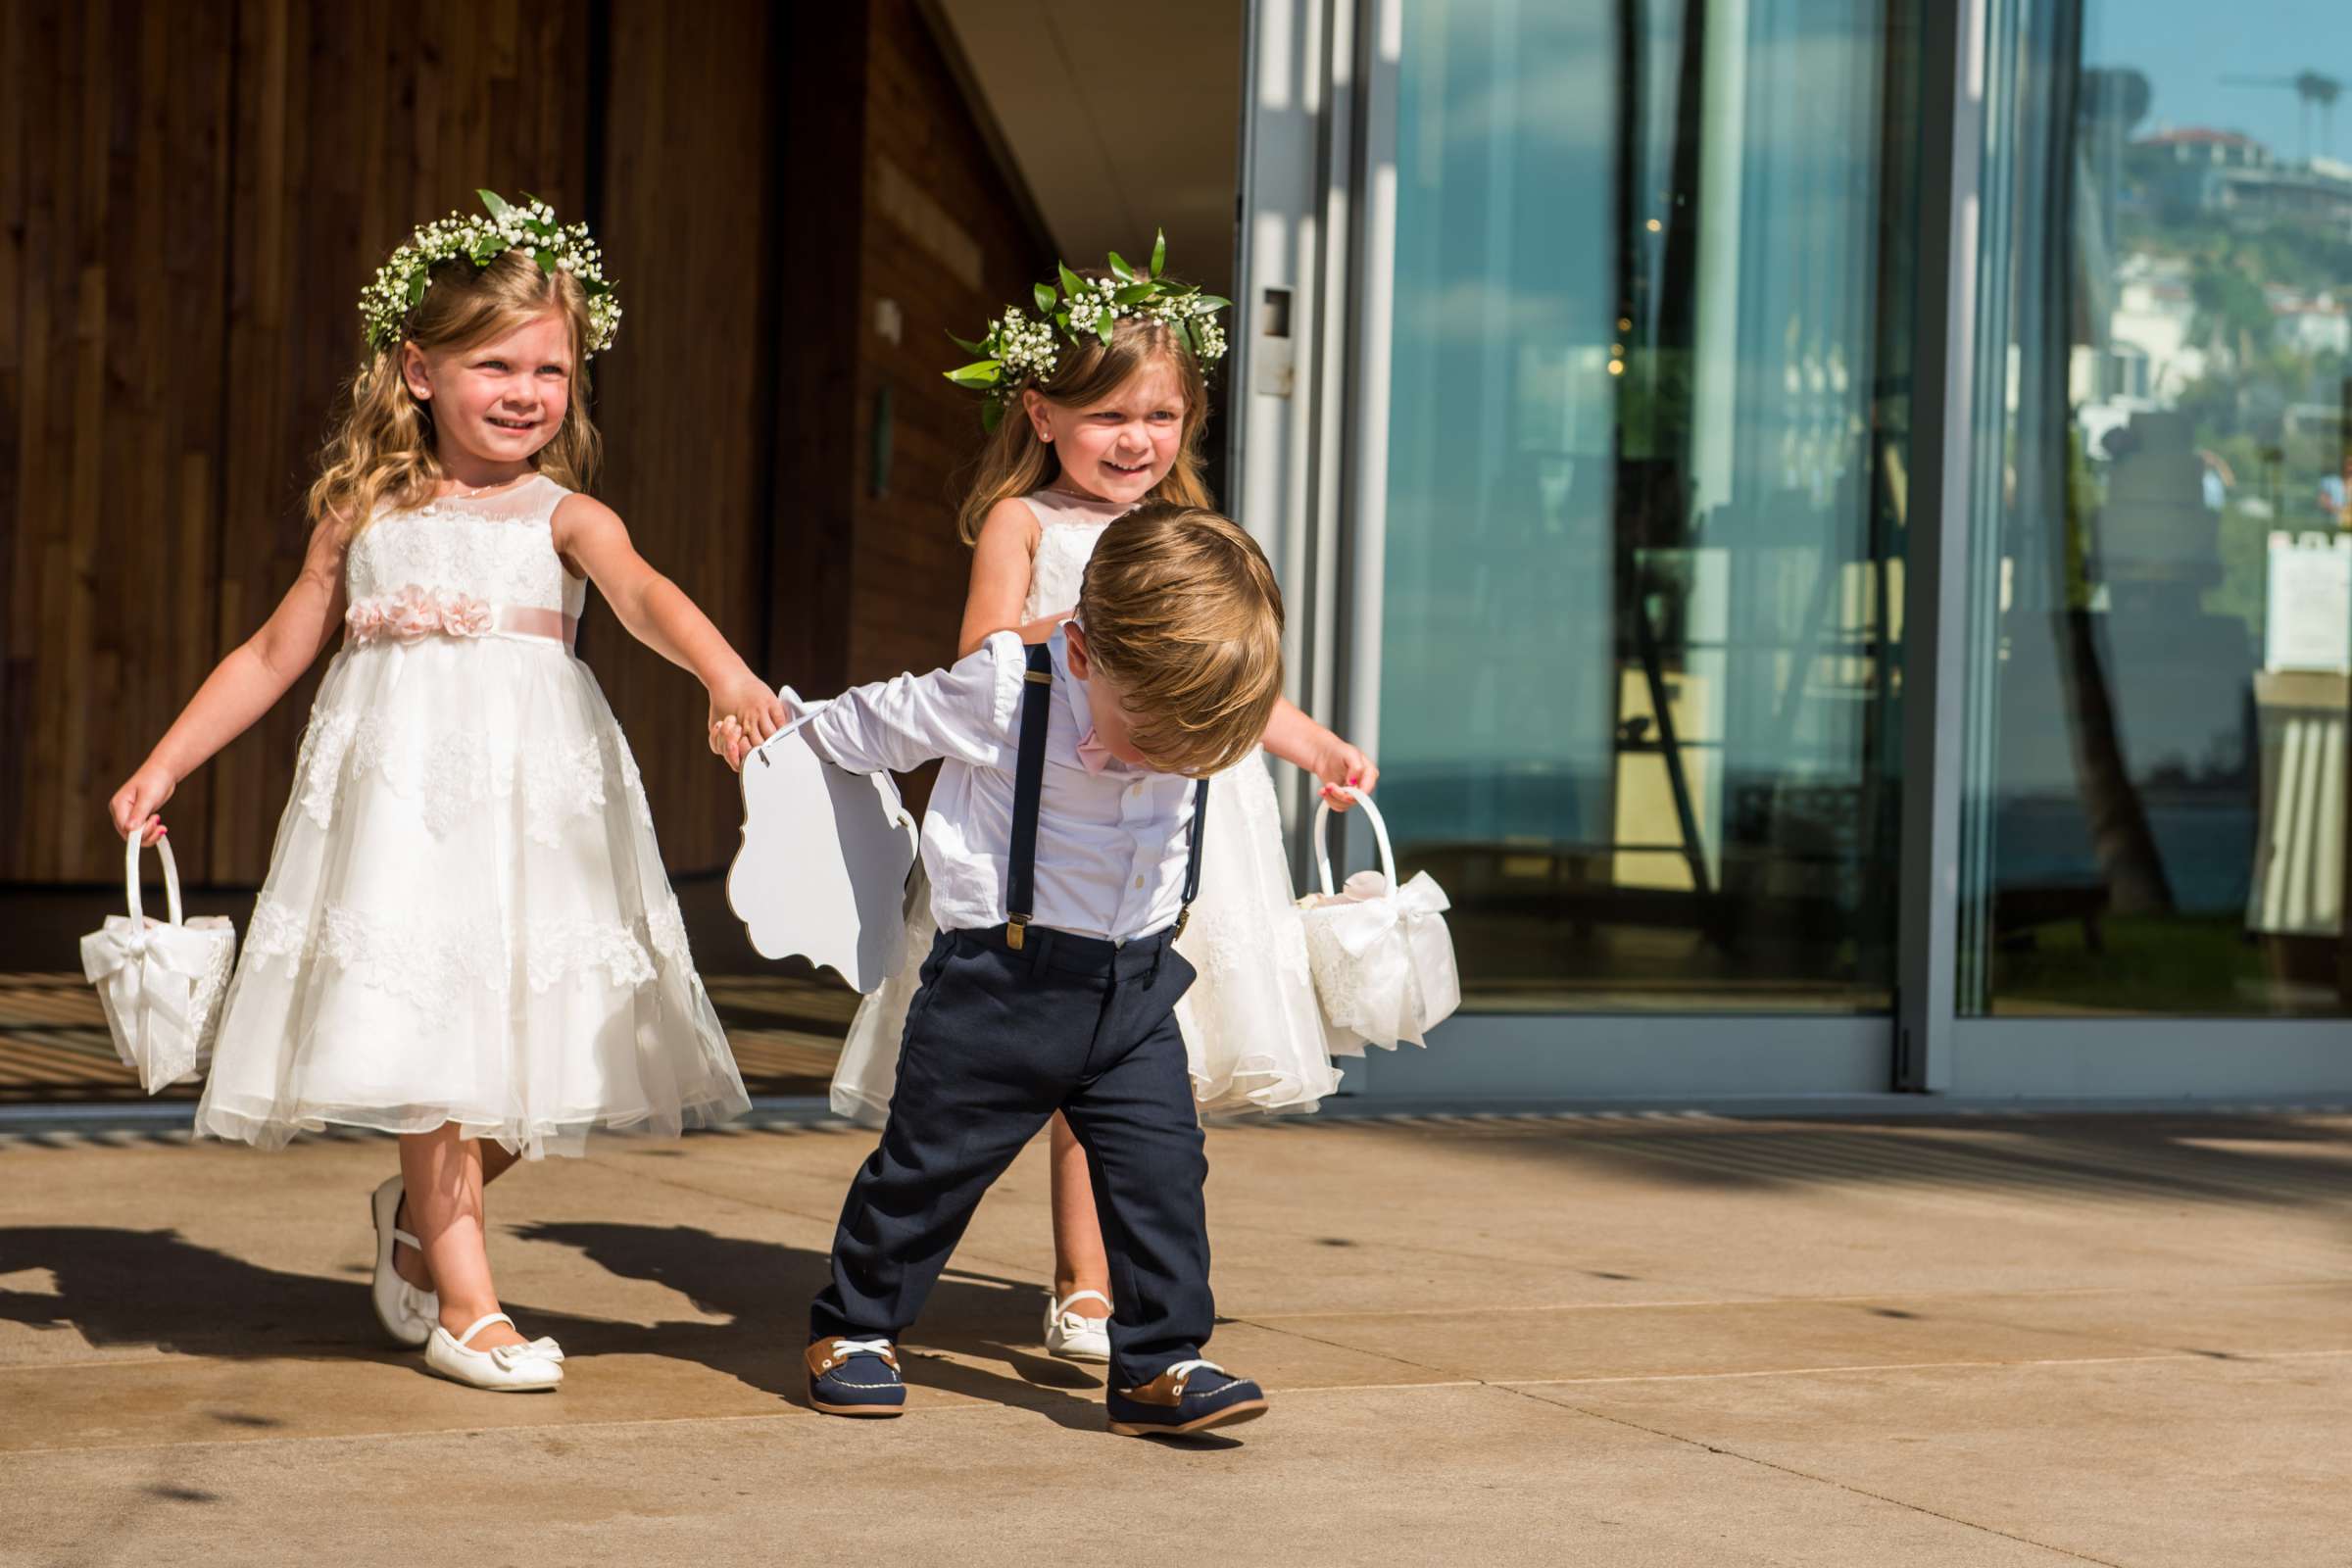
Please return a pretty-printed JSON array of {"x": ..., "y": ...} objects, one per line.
[
  {"x": 1339, "y": 763},
  {"x": 744, "y": 713},
  {"x": 135, "y": 804}
]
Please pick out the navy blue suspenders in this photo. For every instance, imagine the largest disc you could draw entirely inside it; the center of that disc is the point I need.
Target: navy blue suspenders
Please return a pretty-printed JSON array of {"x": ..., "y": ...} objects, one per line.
[{"x": 1028, "y": 785}]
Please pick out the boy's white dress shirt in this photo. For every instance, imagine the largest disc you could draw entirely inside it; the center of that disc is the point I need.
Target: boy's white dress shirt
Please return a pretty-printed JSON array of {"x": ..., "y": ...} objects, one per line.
[{"x": 1112, "y": 846}]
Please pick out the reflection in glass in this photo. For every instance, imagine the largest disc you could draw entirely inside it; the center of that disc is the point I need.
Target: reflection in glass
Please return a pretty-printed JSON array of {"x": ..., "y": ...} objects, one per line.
[
  {"x": 1646, "y": 496},
  {"x": 2156, "y": 808}
]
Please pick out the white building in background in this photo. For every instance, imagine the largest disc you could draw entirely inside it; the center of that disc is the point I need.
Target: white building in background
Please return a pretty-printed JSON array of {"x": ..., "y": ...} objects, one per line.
[
  {"x": 2155, "y": 317},
  {"x": 2312, "y": 323},
  {"x": 2149, "y": 357}
]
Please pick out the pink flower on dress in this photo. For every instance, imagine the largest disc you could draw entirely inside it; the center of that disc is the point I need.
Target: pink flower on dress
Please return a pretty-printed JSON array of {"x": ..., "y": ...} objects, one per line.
[
  {"x": 463, "y": 615},
  {"x": 365, "y": 619},
  {"x": 412, "y": 613}
]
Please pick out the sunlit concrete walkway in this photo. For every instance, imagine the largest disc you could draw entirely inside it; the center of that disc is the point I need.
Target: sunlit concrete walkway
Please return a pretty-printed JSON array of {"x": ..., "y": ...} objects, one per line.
[{"x": 1621, "y": 1341}]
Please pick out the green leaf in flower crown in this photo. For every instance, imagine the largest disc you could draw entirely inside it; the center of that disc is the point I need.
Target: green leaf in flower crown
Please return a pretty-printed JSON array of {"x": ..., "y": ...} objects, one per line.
[
  {"x": 1120, "y": 269},
  {"x": 1062, "y": 318},
  {"x": 1191, "y": 344},
  {"x": 968, "y": 348},
  {"x": 546, "y": 260},
  {"x": 494, "y": 203},
  {"x": 1042, "y": 293},
  {"x": 1103, "y": 325},
  {"x": 992, "y": 415},
  {"x": 1135, "y": 293},
  {"x": 416, "y": 282},
  {"x": 980, "y": 372},
  {"x": 1160, "y": 251},
  {"x": 1218, "y": 301},
  {"x": 1072, "y": 285},
  {"x": 599, "y": 288}
]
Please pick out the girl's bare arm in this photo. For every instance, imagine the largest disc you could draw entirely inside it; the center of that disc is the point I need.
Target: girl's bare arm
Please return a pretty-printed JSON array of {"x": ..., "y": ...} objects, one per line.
[
  {"x": 243, "y": 686},
  {"x": 659, "y": 614},
  {"x": 1296, "y": 738},
  {"x": 1002, "y": 563}
]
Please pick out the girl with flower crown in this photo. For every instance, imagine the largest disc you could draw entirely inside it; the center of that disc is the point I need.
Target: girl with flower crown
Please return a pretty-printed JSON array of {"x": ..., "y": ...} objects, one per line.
[
  {"x": 1096, "y": 405},
  {"x": 465, "y": 937}
]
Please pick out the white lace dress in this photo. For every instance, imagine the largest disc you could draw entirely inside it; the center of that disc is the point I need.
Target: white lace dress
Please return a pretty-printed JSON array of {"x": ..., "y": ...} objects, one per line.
[
  {"x": 1251, "y": 1028},
  {"x": 466, "y": 917}
]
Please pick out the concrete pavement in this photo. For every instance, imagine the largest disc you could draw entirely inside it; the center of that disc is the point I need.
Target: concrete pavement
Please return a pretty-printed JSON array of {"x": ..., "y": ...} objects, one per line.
[{"x": 1671, "y": 1340}]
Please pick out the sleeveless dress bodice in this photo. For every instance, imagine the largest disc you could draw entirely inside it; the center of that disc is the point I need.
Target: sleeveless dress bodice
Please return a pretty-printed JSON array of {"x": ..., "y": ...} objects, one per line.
[{"x": 1067, "y": 527}]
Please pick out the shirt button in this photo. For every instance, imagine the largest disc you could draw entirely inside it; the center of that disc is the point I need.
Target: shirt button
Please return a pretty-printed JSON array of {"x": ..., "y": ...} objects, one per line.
[{"x": 1139, "y": 881}]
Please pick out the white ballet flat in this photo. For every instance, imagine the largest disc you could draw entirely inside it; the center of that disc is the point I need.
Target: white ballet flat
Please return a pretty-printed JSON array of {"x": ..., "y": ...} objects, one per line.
[
  {"x": 406, "y": 1313},
  {"x": 502, "y": 1369},
  {"x": 1073, "y": 1335}
]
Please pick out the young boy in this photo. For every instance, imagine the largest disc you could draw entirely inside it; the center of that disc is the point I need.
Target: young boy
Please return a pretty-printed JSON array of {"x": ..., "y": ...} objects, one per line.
[{"x": 1064, "y": 847}]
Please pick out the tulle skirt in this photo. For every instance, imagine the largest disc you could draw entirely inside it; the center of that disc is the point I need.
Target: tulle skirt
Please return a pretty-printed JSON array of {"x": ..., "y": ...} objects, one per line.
[
  {"x": 1252, "y": 1031},
  {"x": 467, "y": 919}
]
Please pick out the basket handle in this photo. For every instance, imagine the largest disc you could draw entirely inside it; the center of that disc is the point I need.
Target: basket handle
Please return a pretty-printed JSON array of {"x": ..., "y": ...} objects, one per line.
[
  {"x": 1379, "y": 834},
  {"x": 130, "y": 885}
]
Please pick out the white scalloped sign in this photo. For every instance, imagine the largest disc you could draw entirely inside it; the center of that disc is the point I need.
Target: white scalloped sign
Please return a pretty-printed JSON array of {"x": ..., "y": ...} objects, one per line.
[{"x": 822, "y": 870}]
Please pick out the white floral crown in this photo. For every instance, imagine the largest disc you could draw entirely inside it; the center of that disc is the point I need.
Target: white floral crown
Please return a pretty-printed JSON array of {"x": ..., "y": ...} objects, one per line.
[
  {"x": 1018, "y": 349},
  {"x": 400, "y": 283}
]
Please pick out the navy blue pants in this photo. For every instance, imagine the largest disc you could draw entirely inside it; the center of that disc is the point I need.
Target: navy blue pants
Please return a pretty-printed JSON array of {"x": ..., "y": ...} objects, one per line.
[{"x": 996, "y": 1042}]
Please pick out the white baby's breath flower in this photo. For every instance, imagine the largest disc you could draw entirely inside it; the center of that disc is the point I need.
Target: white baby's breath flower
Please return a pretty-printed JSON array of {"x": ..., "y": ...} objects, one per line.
[{"x": 384, "y": 304}]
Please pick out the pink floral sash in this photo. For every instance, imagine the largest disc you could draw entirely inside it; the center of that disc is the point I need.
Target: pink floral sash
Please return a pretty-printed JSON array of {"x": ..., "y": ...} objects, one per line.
[{"x": 412, "y": 613}]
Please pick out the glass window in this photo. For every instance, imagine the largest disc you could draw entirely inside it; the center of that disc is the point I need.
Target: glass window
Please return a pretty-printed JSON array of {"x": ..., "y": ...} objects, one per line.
[
  {"x": 1645, "y": 498},
  {"x": 2156, "y": 801}
]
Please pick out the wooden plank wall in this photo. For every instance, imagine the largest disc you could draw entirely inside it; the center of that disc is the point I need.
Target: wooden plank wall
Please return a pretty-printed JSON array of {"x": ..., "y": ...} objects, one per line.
[
  {"x": 113, "y": 210},
  {"x": 192, "y": 195},
  {"x": 685, "y": 401},
  {"x": 920, "y": 247}
]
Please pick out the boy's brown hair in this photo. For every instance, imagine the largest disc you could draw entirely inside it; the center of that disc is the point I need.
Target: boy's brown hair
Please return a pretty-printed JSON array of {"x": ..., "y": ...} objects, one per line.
[{"x": 1180, "y": 610}]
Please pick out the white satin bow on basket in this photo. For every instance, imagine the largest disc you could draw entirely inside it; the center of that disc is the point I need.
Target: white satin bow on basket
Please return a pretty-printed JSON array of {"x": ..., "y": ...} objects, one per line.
[
  {"x": 160, "y": 982},
  {"x": 1381, "y": 953}
]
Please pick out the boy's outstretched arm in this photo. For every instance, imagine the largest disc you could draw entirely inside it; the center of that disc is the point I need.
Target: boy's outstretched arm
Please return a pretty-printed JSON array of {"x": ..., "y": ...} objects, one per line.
[{"x": 963, "y": 713}]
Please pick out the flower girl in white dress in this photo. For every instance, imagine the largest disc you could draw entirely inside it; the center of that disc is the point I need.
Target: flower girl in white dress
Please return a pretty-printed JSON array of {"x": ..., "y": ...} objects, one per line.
[
  {"x": 465, "y": 937},
  {"x": 1095, "y": 409}
]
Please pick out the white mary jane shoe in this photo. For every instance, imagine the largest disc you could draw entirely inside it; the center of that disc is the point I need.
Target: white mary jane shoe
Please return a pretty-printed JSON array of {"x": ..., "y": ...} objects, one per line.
[
  {"x": 504, "y": 1369},
  {"x": 406, "y": 1313},
  {"x": 1073, "y": 1335}
]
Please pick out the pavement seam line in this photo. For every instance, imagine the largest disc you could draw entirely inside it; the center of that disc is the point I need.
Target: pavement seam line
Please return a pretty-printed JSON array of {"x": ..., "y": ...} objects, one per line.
[
  {"x": 1818, "y": 1480},
  {"x": 1915, "y": 1366},
  {"x": 1382, "y": 1356},
  {"x": 2068, "y": 1292},
  {"x": 1447, "y": 1376},
  {"x": 790, "y": 1411}
]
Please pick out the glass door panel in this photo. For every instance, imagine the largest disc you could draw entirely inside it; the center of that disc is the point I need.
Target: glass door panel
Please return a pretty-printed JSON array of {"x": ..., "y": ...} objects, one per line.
[{"x": 1644, "y": 495}]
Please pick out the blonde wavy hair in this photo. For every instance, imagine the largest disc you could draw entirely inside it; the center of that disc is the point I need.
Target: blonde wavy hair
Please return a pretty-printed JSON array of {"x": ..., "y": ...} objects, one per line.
[
  {"x": 1014, "y": 462},
  {"x": 381, "y": 449},
  {"x": 1180, "y": 610}
]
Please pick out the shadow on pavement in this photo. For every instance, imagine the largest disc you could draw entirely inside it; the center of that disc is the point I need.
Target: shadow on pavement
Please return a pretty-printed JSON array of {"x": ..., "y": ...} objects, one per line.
[{"x": 124, "y": 1287}]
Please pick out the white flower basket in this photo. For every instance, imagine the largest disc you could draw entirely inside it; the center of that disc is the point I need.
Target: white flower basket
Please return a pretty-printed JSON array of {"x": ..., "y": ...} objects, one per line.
[
  {"x": 161, "y": 983},
  {"x": 1381, "y": 957}
]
